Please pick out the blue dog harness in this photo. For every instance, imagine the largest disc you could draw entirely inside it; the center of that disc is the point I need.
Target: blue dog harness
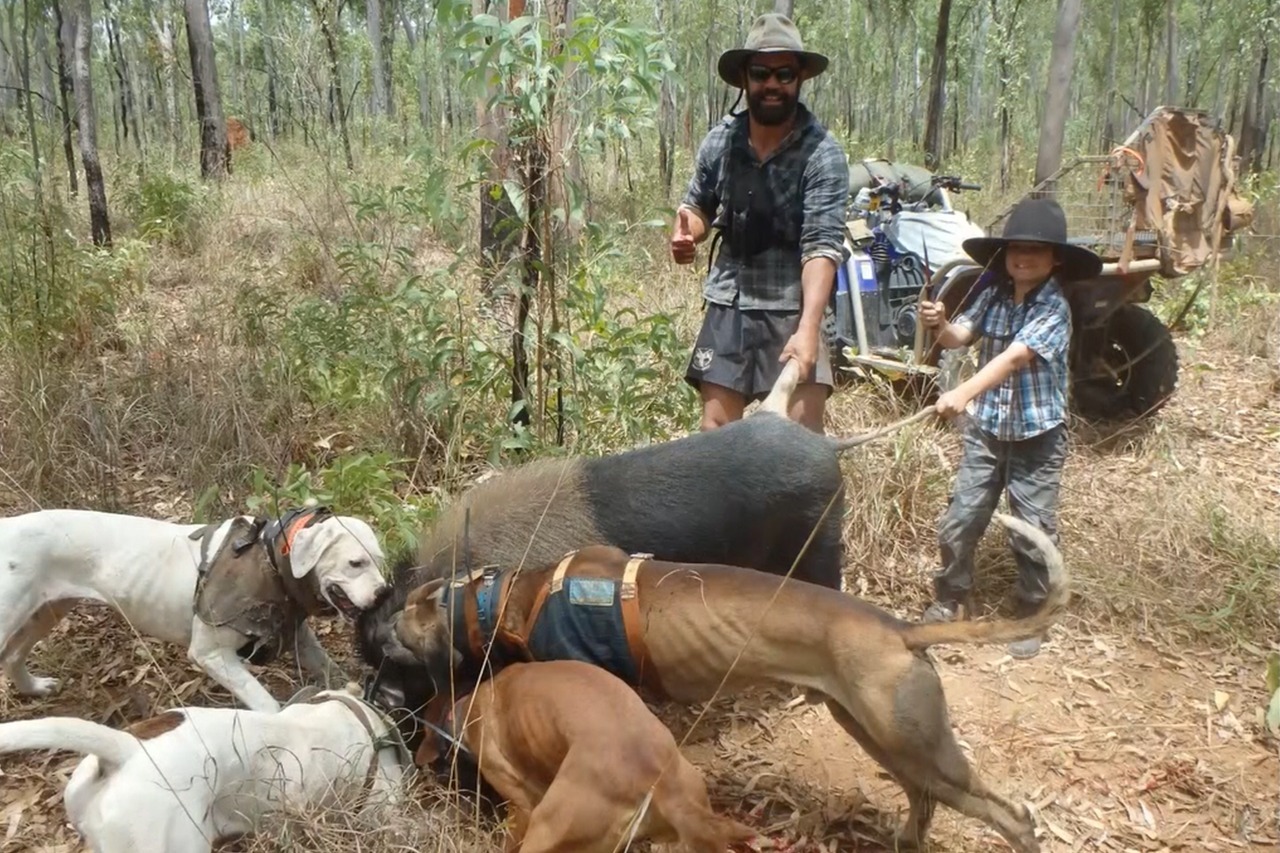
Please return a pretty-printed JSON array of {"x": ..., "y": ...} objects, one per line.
[{"x": 594, "y": 620}]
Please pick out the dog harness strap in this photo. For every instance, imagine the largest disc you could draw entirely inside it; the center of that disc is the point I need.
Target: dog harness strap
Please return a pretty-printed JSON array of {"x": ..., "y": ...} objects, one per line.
[
  {"x": 557, "y": 581},
  {"x": 290, "y": 531},
  {"x": 471, "y": 615},
  {"x": 356, "y": 708},
  {"x": 629, "y": 597}
]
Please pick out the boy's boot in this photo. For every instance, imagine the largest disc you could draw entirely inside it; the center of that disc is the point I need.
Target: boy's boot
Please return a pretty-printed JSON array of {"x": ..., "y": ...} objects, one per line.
[{"x": 1029, "y": 648}]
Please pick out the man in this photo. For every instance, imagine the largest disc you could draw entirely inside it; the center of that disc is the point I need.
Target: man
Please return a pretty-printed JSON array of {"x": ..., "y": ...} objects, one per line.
[{"x": 774, "y": 183}]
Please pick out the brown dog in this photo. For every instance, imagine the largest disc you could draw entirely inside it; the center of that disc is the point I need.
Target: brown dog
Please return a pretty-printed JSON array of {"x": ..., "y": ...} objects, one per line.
[
  {"x": 575, "y": 753},
  {"x": 678, "y": 630}
]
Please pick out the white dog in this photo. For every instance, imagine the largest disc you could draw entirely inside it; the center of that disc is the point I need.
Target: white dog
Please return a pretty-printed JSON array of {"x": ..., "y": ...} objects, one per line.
[
  {"x": 149, "y": 571},
  {"x": 192, "y": 777}
]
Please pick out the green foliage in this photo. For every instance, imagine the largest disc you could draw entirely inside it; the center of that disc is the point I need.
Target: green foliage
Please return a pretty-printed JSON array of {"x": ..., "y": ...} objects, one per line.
[
  {"x": 57, "y": 297},
  {"x": 363, "y": 485},
  {"x": 1246, "y": 581},
  {"x": 166, "y": 208}
]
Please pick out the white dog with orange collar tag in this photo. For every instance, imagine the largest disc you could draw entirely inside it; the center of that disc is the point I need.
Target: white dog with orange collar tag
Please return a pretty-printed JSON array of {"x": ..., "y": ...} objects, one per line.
[{"x": 157, "y": 575}]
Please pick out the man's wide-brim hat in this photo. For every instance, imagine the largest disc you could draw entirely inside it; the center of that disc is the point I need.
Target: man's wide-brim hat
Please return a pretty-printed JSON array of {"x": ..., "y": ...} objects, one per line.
[
  {"x": 1038, "y": 220},
  {"x": 770, "y": 33}
]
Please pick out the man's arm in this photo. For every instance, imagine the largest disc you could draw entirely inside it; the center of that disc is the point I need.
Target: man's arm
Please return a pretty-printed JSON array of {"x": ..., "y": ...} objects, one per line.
[
  {"x": 822, "y": 249},
  {"x": 817, "y": 275},
  {"x": 700, "y": 202}
]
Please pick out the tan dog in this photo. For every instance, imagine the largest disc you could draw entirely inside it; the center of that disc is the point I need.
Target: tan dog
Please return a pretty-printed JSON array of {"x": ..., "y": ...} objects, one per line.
[
  {"x": 677, "y": 629},
  {"x": 575, "y": 753}
]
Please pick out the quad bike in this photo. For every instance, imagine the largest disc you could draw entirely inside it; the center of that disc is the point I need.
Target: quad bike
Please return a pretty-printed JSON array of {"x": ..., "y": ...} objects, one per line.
[{"x": 1161, "y": 204}]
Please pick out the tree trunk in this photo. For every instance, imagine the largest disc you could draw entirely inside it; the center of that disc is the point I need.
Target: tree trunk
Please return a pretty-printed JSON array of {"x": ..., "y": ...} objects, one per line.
[
  {"x": 267, "y": 16},
  {"x": 7, "y": 85},
  {"x": 1252, "y": 128},
  {"x": 413, "y": 36},
  {"x": 1171, "y": 96},
  {"x": 235, "y": 68},
  {"x": 974, "y": 121},
  {"x": 24, "y": 69},
  {"x": 10, "y": 78},
  {"x": 785, "y": 7},
  {"x": 666, "y": 115},
  {"x": 168, "y": 64},
  {"x": 937, "y": 90},
  {"x": 562, "y": 158},
  {"x": 498, "y": 215},
  {"x": 81, "y": 19},
  {"x": 215, "y": 152},
  {"x": 63, "y": 36},
  {"x": 337, "y": 103},
  {"x": 124, "y": 88},
  {"x": 47, "y": 100},
  {"x": 1109, "y": 129},
  {"x": 377, "y": 72},
  {"x": 1053, "y": 124}
]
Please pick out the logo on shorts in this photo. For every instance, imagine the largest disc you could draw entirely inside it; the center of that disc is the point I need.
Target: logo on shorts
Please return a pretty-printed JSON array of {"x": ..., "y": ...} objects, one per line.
[{"x": 702, "y": 357}]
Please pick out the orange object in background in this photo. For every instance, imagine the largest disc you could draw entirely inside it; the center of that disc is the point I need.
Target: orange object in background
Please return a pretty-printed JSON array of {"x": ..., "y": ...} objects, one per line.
[{"x": 238, "y": 134}]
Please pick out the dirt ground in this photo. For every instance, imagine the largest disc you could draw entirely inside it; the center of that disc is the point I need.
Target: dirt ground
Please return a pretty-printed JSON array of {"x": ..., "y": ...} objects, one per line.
[
  {"x": 1121, "y": 743},
  {"x": 1126, "y": 736}
]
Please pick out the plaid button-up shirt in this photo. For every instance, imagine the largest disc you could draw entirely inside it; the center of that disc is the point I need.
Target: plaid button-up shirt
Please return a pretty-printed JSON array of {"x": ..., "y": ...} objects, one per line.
[
  {"x": 1034, "y": 398},
  {"x": 814, "y": 192}
]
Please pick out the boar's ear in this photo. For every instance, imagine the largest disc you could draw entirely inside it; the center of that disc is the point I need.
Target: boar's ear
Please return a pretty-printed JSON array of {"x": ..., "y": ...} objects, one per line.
[{"x": 426, "y": 593}]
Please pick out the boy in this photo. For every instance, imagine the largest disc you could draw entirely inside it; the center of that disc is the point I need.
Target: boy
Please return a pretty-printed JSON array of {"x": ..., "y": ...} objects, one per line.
[{"x": 1015, "y": 439}]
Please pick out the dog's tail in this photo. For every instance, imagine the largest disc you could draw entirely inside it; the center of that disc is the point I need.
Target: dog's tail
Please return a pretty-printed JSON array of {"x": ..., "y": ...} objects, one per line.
[
  {"x": 111, "y": 746},
  {"x": 921, "y": 636}
]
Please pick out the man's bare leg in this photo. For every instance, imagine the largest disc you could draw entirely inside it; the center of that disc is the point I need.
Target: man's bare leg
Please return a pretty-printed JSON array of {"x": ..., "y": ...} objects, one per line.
[{"x": 720, "y": 405}]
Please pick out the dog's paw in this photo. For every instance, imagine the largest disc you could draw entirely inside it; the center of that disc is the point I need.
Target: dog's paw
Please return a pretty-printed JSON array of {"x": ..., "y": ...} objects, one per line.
[{"x": 40, "y": 686}]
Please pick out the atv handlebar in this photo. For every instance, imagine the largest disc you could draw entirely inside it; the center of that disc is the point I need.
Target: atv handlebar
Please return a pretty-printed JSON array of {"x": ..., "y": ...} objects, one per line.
[{"x": 954, "y": 183}]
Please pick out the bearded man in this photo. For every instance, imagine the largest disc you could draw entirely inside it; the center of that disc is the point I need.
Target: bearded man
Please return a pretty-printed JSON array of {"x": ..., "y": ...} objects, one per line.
[{"x": 774, "y": 184}]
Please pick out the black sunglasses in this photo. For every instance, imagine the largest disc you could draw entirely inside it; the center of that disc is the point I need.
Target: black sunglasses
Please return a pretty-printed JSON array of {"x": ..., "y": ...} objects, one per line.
[{"x": 761, "y": 73}]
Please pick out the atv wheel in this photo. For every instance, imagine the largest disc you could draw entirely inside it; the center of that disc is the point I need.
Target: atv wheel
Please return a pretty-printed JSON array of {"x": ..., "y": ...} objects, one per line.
[
  {"x": 955, "y": 366},
  {"x": 1132, "y": 374}
]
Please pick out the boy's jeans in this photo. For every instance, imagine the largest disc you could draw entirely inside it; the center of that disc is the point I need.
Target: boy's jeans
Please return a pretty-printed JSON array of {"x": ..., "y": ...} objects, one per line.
[{"x": 1031, "y": 471}]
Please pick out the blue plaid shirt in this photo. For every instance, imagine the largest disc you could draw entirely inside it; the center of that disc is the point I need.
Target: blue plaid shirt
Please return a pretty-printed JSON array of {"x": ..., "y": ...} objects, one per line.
[
  {"x": 1034, "y": 398},
  {"x": 809, "y": 176}
]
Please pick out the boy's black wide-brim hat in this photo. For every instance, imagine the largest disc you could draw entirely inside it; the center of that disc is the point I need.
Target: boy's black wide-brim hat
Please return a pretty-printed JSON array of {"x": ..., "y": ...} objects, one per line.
[{"x": 1038, "y": 220}]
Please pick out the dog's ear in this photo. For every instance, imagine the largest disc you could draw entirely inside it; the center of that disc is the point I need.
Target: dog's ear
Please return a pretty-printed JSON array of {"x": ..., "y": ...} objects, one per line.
[
  {"x": 309, "y": 544},
  {"x": 428, "y": 751}
]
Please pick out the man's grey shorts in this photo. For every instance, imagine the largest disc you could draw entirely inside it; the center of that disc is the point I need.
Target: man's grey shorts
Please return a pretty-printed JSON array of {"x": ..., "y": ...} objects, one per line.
[{"x": 739, "y": 350}]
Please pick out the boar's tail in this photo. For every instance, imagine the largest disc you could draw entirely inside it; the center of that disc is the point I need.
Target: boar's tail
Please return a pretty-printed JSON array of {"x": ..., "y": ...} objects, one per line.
[{"x": 852, "y": 441}]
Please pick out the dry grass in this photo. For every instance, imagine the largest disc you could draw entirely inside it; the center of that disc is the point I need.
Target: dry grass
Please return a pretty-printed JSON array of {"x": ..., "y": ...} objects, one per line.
[{"x": 430, "y": 822}]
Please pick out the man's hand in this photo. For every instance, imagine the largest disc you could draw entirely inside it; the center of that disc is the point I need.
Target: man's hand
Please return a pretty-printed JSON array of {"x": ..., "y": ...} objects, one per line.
[
  {"x": 683, "y": 248},
  {"x": 803, "y": 347},
  {"x": 932, "y": 314},
  {"x": 951, "y": 404}
]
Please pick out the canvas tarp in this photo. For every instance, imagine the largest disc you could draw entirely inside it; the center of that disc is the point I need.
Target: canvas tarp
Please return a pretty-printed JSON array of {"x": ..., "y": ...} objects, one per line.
[
  {"x": 869, "y": 173},
  {"x": 1184, "y": 186}
]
